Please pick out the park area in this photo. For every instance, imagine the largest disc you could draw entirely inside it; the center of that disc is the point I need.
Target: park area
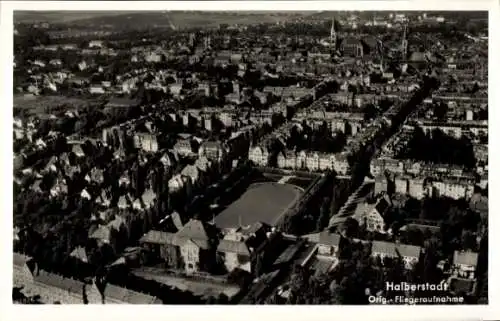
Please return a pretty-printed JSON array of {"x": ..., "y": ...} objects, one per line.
[{"x": 39, "y": 105}]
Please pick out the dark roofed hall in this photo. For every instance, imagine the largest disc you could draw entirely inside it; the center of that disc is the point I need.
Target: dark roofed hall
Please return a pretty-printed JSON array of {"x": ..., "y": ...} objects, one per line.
[
  {"x": 122, "y": 102},
  {"x": 262, "y": 202}
]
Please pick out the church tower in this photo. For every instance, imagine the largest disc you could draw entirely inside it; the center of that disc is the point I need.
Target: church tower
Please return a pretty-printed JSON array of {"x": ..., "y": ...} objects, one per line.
[
  {"x": 333, "y": 36},
  {"x": 404, "y": 43}
]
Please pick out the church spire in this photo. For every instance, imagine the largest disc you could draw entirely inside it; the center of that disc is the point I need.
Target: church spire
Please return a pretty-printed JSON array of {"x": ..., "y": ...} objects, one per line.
[
  {"x": 333, "y": 35},
  {"x": 404, "y": 43}
]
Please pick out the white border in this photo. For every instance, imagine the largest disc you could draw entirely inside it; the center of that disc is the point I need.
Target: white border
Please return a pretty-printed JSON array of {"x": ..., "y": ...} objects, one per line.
[{"x": 10, "y": 312}]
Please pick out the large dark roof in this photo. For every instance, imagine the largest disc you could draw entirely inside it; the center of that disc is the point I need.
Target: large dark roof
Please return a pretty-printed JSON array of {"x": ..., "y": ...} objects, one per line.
[
  {"x": 350, "y": 41},
  {"x": 465, "y": 258},
  {"x": 265, "y": 202},
  {"x": 122, "y": 102}
]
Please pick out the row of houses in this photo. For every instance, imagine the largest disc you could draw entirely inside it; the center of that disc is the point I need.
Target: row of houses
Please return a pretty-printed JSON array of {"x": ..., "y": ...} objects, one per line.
[
  {"x": 327, "y": 245},
  {"x": 382, "y": 164},
  {"x": 325, "y": 255},
  {"x": 53, "y": 288},
  {"x": 455, "y": 129},
  {"x": 312, "y": 161}
]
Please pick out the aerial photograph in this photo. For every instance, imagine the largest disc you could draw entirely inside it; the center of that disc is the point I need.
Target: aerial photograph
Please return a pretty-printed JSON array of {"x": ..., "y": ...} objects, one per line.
[{"x": 250, "y": 157}]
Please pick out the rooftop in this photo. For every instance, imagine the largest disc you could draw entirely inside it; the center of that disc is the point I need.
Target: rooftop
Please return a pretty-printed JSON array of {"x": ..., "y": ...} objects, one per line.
[
  {"x": 395, "y": 249},
  {"x": 262, "y": 202},
  {"x": 465, "y": 258}
]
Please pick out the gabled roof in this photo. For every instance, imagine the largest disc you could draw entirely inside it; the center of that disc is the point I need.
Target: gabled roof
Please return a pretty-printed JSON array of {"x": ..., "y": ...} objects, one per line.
[
  {"x": 212, "y": 145},
  {"x": 203, "y": 244},
  {"x": 324, "y": 237},
  {"x": 148, "y": 197},
  {"x": 123, "y": 201},
  {"x": 158, "y": 237},
  {"x": 382, "y": 205},
  {"x": 202, "y": 163},
  {"x": 233, "y": 247},
  {"x": 169, "y": 158},
  {"x": 118, "y": 293},
  {"x": 52, "y": 161},
  {"x": 80, "y": 254},
  {"x": 77, "y": 150},
  {"x": 60, "y": 282},
  {"x": 194, "y": 229},
  {"x": 37, "y": 185},
  {"x": 20, "y": 259},
  {"x": 182, "y": 143},
  {"x": 465, "y": 258},
  {"x": 101, "y": 233},
  {"x": 185, "y": 135},
  {"x": 191, "y": 171},
  {"x": 116, "y": 223}
]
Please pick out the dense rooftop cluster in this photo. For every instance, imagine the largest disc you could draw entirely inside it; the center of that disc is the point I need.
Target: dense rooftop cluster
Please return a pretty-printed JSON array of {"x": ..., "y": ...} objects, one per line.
[{"x": 297, "y": 160}]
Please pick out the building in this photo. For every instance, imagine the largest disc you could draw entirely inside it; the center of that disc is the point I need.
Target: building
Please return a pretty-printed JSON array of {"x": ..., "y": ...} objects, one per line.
[
  {"x": 410, "y": 254},
  {"x": 213, "y": 150},
  {"x": 324, "y": 255},
  {"x": 464, "y": 264},
  {"x": 239, "y": 248},
  {"x": 118, "y": 105},
  {"x": 183, "y": 147},
  {"x": 312, "y": 161},
  {"x": 52, "y": 288},
  {"x": 146, "y": 141},
  {"x": 236, "y": 254},
  {"x": 189, "y": 249},
  {"x": 328, "y": 244},
  {"x": 351, "y": 47},
  {"x": 372, "y": 216},
  {"x": 259, "y": 155}
]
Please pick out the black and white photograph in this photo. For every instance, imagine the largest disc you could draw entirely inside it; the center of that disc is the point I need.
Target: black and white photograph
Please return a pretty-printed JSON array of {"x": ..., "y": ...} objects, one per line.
[{"x": 250, "y": 157}]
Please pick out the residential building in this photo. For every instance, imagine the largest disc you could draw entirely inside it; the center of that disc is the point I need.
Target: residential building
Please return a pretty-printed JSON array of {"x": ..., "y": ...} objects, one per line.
[
  {"x": 213, "y": 150},
  {"x": 146, "y": 141},
  {"x": 189, "y": 249},
  {"x": 372, "y": 216},
  {"x": 183, "y": 147},
  {"x": 410, "y": 254},
  {"x": 464, "y": 264}
]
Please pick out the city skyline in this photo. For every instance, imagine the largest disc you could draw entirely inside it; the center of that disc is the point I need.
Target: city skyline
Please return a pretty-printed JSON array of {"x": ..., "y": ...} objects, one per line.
[{"x": 253, "y": 157}]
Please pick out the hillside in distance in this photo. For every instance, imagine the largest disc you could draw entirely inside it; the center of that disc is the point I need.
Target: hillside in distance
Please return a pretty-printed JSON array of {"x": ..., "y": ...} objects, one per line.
[
  {"x": 145, "y": 19},
  {"x": 60, "y": 16}
]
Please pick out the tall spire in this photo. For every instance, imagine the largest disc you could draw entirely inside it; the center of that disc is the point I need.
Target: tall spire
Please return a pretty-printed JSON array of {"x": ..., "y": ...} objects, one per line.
[
  {"x": 333, "y": 35},
  {"x": 404, "y": 42}
]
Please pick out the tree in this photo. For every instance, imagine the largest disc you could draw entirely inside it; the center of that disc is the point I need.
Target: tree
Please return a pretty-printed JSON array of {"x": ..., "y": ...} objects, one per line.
[
  {"x": 258, "y": 265},
  {"x": 324, "y": 215},
  {"x": 222, "y": 299},
  {"x": 350, "y": 227}
]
